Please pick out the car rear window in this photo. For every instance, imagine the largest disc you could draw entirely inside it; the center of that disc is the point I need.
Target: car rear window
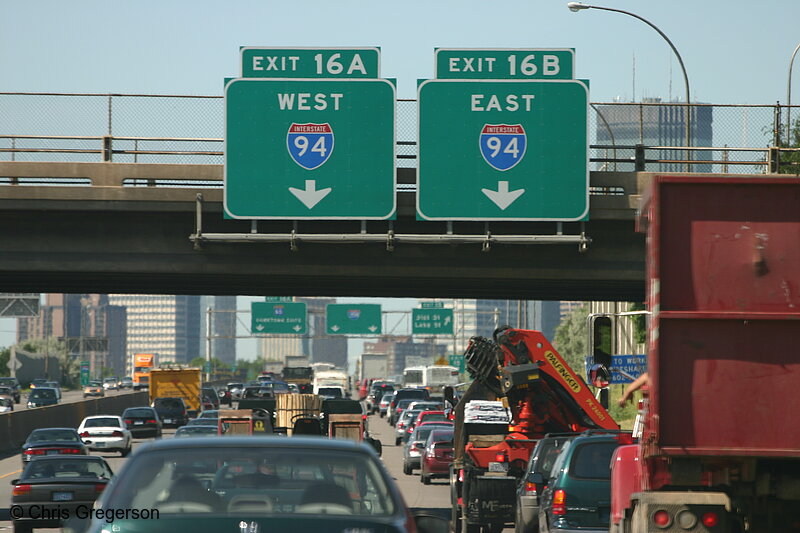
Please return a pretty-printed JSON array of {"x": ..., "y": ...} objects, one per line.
[
  {"x": 102, "y": 423},
  {"x": 593, "y": 460},
  {"x": 168, "y": 403},
  {"x": 138, "y": 412},
  {"x": 61, "y": 435},
  {"x": 45, "y": 394}
]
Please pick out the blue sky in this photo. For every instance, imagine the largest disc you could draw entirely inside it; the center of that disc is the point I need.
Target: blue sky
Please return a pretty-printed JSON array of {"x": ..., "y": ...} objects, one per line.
[{"x": 735, "y": 51}]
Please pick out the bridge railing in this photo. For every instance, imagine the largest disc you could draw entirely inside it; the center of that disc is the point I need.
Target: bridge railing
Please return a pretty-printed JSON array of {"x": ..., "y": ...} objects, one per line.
[{"x": 642, "y": 136}]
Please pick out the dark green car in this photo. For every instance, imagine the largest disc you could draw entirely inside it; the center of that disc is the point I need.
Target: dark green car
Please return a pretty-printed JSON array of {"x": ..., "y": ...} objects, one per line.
[
  {"x": 578, "y": 496},
  {"x": 253, "y": 485}
]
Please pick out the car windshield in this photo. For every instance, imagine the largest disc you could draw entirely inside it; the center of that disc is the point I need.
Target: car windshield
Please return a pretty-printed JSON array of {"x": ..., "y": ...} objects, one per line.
[
  {"x": 258, "y": 392},
  {"x": 48, "y": 435},
  {"x": 423, "y": 432},
  {"x": 255, "y": 481},
  {"x": 142, "y": 411},
  {"x": 196, "y": 431},
  {"x": 43, "y": 394},
  {"x": 94, "y": 383},
  {"x": 593, "y": 460},
  {"x": 67, "y": 468},
  {"x": 387, "y": 398},
  {"x": 209, "y": 413},
  {"x": 10, "y": 382},
  {"x": 105, "y": 422}
]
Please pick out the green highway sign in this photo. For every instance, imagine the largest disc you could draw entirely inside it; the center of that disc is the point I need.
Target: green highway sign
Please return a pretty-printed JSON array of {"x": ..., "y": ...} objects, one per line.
[
  {"x": 353, "y": 319},
  {"x": 85, "y": 369},
  {"x": 258, "y": 62},
  {"x": 279, "y": 298},
  {"x": 432, "y": 321},
  {"x": 503, "y": 150},
  {"x": 310, "y": 149},
  {"x": 504, "y": 63},
  {"x": 432, "y": 305},
  {"x": 277, "y": 318},
  {"x": 458, "y": 361}
]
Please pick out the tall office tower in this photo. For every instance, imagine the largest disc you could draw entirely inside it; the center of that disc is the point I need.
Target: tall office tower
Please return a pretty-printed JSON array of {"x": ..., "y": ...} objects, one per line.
[
  {"x": 167, "y": 325},
  {"x": 656, "y": 125},
  {"x": 223, "y": 328},
  {"x": 86, "y": 322}
]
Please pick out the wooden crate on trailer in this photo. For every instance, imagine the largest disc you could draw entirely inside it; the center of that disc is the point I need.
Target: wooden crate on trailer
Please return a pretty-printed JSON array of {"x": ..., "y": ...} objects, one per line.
[
  {"x": 289, "y": 405},
  {"x": 346, "y": 426}
]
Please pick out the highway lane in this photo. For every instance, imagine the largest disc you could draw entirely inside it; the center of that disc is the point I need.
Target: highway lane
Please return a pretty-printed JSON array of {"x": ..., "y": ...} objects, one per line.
[{"x": 417, "y": 495}]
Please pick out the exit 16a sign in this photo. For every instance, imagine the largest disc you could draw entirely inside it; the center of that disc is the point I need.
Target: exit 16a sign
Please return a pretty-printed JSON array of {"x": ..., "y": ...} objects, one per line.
[
  {"x": 503, "y": 150},
  {"x": 258, "y": 62}
]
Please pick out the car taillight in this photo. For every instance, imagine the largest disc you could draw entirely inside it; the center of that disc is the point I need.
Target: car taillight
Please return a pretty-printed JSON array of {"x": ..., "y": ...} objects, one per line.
[
  {"x": 530, "y": 488},
  {"x": 99, "y": 487},
  {"x": 84, "y": 434},
  {"x": 151, "y": 421},
  {"x": 33, "y": 452},
  {"x": 128, "y": 422},
  {"x": 559, "y": 502},
  {"x": 500, "y": 457},
  {"x": 710, "y": 519},
  {"x": 116, "y": 434},
  {"x": 363, "y": 417},
  {"x": 69, "y": 450},
  {"x": 21, "y": 490}
]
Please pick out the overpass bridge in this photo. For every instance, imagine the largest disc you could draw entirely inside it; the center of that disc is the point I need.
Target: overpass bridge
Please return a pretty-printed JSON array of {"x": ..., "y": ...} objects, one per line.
[
  {"x": 107, "y": 213},
  {"x": 83, "y": 228}
]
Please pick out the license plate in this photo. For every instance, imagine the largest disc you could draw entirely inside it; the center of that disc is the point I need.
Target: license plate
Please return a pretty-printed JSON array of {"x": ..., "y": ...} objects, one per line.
[
  {"x": 100, "y": 444},
  {"x": 138, "y": 423},
  {"x": 498, "y": 467},
  {"x": 62, "y": 496},
  {"x": 168, "y": 421},
  {"x": 53, "y": 452}
]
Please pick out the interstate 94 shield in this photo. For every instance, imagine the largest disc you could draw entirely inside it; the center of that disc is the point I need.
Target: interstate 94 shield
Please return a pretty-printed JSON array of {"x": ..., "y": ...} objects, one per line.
[
  {"x": 310, "y": 145},
  {"x": 503, "y": 145}
]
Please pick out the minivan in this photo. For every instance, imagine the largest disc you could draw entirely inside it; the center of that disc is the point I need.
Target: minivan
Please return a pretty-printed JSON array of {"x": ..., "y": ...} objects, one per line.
[
  {"x": 171, "y": 411},
  {"x": 578, "y": 496}
]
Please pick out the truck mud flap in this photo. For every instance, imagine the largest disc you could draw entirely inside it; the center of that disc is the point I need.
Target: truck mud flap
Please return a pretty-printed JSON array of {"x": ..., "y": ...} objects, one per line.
[{"x": 490, "y": 499}]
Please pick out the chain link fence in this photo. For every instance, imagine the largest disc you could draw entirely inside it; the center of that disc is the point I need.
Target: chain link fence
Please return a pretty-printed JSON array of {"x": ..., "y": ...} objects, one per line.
[{"x": 122, "y": 128}]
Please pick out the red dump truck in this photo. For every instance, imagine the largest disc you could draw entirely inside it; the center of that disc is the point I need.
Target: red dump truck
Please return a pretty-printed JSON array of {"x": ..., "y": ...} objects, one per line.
[{"x": 720, "y": 447}]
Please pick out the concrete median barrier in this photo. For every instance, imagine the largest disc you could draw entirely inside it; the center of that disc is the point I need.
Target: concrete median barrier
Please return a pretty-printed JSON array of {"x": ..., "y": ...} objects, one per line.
[{"x": 16, "y": 426}]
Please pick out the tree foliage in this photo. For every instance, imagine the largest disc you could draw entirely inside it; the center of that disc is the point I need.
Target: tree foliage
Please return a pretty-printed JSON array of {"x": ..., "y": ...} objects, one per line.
[
  {"x": 571, "y": 338},
  {"x": 5, "y": 357},
  {"x": 639, "y": 323}
]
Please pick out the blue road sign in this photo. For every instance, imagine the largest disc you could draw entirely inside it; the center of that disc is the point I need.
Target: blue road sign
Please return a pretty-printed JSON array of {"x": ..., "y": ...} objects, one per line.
[
  {"x": 503, "y": 145},
  {"x": 632, "y": 365}
]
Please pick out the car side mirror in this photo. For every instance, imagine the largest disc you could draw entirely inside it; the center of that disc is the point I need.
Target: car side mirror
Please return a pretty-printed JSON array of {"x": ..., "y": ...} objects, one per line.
[
  {"x": 428, "y": 522},
  {"x": 536, "y": 477},
  {"x": 14, "y": 481}
]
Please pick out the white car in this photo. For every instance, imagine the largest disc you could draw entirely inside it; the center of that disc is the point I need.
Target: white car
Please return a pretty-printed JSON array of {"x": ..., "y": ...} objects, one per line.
[
  {"x": 110, "y": 384},
  {"x": 106, "y": 433}
]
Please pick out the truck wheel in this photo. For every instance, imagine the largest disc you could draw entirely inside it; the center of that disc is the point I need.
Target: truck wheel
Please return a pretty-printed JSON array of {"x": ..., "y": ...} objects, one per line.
[{"x": 426, "y": 480}]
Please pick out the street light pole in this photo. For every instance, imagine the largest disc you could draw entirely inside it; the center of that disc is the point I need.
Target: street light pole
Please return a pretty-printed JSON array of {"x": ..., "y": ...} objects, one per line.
[
  {"x": 789, "y": 97},
  {"x": 578, "y": 6}
]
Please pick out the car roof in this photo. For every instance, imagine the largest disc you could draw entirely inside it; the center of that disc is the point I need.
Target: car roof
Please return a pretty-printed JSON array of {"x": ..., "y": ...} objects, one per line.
[
  {"x": 256, "y": 442},
  {"x": 101, "y": 416}
]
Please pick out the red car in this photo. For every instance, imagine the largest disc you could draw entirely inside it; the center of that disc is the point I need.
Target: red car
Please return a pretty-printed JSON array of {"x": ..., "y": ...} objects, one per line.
[
  {"x": 437, "y": 456},
  {"x": 424, "y": 416}
]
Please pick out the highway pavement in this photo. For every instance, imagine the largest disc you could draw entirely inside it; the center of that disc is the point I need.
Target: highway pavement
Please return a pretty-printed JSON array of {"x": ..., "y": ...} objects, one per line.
[{"x": 434, "y": 496}]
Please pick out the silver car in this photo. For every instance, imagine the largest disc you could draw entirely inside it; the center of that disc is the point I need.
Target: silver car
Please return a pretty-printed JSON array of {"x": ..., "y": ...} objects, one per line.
[
  {"x": 403, "y": 421},
  {"x": 415, "y": 447}
]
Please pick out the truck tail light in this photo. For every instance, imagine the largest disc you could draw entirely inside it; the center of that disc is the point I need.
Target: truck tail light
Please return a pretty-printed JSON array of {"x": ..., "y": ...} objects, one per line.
[
  {"x": 21, "y": 490},
  {"x": 710, "y": 519},
  {"x": 500, "y": 457},
  {"x": 530, "y": 488},
  {"x": 662, "y": 519},
  {"x": 559, "y": 502}
]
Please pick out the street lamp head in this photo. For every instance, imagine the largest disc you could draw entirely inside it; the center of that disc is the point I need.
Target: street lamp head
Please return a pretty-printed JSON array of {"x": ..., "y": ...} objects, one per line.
[{"x": 577, "y": 6}]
